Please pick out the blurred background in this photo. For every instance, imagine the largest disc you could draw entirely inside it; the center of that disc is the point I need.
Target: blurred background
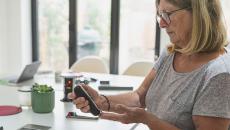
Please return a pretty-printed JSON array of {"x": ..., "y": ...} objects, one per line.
[{"x": 59, "y": 32}]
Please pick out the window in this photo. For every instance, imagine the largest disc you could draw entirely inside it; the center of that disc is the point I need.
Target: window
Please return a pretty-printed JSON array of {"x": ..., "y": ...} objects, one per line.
[
  {"x": 226, "y": 9},
  {"x": 53, "y": 34},
  {"x": 164, "y": 40},
  {"x": 94, "y": 28},
  {"x": 137, "y": 32}
]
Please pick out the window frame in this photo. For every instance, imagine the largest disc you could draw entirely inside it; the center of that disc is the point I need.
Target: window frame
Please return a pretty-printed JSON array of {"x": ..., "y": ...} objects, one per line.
[{"x": 114, "y": 34}]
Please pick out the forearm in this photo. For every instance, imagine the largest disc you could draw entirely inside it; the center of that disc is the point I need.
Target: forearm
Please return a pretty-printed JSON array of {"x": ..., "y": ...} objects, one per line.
[
  {"x": 155, "y": 123},
  {"x": 130, "y": 99}
]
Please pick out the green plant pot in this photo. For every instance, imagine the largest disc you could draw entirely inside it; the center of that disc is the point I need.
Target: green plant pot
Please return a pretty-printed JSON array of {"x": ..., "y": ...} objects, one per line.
[{"x": 43, "y": 102}]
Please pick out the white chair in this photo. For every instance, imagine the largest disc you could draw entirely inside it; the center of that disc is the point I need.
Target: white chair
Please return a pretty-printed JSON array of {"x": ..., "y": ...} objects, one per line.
[
  {"x": 93, "y": 64},
  {"x": 140, "y": 68}
]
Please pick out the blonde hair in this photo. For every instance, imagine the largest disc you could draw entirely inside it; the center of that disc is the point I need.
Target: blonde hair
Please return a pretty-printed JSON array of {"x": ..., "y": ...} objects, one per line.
[{"x": 208, "y": 31}]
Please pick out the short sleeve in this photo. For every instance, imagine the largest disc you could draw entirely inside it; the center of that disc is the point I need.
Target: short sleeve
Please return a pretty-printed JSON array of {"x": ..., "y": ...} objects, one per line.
[
  {"x": 214, "y": 99},
  {"x": 160, "y": 60}
]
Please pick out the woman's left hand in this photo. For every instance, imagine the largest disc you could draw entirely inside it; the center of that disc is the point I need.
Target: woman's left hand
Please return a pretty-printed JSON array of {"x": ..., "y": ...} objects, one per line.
[{"x": 126, "y": 114}]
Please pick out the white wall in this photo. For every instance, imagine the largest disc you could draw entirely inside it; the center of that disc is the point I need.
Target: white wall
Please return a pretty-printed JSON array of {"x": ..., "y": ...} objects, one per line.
[
  {"x": 15, "y": 35},
  {"x": 3, "y": 31}
]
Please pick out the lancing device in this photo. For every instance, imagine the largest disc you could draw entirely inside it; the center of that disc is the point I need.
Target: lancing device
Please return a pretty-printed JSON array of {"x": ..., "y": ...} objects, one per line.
[{"x": 81, "y": 92}]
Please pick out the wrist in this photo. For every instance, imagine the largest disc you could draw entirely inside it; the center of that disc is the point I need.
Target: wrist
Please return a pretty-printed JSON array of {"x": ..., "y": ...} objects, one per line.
[
  {"x": 104, "y": 103},
  {"x": 107, "y": 101},
  {"x": 149, "y": 118}
]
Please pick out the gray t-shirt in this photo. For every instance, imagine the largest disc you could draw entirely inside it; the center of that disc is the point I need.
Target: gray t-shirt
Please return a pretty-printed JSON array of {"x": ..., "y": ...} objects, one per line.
[{"x": 175, "y": 97}]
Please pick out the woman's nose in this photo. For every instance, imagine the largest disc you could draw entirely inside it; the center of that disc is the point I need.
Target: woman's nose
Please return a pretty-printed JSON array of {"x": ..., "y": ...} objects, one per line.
[{"x": 162, "y": 23}]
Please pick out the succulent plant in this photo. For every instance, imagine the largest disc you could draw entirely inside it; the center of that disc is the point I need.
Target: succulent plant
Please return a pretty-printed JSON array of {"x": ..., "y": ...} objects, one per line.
[{"x": 42, "y": 88}]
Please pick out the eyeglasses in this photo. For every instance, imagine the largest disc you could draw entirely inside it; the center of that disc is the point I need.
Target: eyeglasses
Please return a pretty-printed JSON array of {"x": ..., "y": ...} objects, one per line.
[{"x": 165, "y": 16}]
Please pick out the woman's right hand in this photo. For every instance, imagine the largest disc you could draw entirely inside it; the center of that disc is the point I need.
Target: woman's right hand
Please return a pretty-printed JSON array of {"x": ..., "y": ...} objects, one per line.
[{"x": 82, "y": 104}]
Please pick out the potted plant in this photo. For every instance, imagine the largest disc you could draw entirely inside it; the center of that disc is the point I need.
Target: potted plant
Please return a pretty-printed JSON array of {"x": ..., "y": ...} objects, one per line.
[{"x": 43, "y": 98}]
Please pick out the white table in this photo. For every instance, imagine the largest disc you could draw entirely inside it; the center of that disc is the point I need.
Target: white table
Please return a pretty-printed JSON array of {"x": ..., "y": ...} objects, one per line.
[{"x": 56, "y": 119}]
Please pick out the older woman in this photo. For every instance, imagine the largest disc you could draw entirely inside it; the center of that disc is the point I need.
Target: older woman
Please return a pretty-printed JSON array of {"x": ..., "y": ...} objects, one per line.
[{"x": 189, "y": 87}]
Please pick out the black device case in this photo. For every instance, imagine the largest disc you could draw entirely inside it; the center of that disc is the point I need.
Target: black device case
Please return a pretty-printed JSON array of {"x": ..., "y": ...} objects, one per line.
[{"x": 81, "y": 92}]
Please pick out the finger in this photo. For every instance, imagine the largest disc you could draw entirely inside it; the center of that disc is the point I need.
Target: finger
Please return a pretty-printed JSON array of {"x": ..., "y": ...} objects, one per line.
[
  {"x": 82, "y": 105},
  {"x": 93, "y": 93},
  {"x": 79, "y": 104},
  {"x": 86, "y": 87},
  {"x": 111, "y": 116},
  {"x": 71, "y": 96},
  {"x": 85, "y": 109},
  {"x": 79, "y": 100}
]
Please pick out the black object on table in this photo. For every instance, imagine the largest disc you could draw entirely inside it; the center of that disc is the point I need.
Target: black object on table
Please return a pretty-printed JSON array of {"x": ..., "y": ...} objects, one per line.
[
  {"x": 104, "y": 82},
  {"x": 109, "y": 87},
  {"x": 81, "y": 92}
]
